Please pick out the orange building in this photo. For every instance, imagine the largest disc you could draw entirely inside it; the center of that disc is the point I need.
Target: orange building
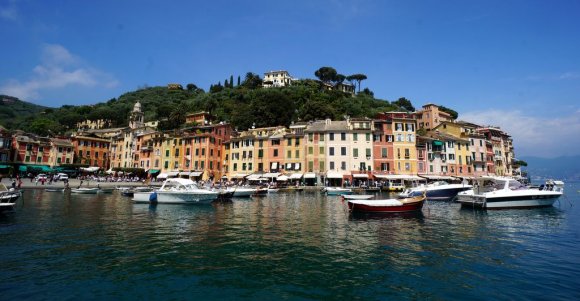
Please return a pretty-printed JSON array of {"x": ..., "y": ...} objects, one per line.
[
  {"x": 92, "y": 151},
  {"x": 431, "y": 116}
]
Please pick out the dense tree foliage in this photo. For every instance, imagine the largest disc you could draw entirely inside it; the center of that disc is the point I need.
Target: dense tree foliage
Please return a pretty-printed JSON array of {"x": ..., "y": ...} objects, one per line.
[
  {"x": 243, "y": 105},
  {"x": 451, "y": 112},
  {"x": 405, "y": 104}
]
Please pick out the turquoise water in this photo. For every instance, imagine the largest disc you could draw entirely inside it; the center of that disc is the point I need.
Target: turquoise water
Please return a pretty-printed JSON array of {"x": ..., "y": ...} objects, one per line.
[{"x": 299, "y": 246}]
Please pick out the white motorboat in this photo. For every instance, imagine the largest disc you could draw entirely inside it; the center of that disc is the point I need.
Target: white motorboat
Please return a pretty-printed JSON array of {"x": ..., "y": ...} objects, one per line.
[
  {"x": 438, "y": 190},
  {"x": 501, "y": 192},
  {"x": 337, "y": 191},
  {"x": 183, "y": 191},
  {"x": 358, "y": 196},
  {"x": 241, "y": 192},
  {"x": 85, "y": 190},
  {"x": 144, "y": 196},
  {"x": 8, "y": 198}
]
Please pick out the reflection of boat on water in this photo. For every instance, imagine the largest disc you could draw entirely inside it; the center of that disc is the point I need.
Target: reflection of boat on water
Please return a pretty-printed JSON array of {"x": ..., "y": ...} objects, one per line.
[
  {"x": 54, "y": 190},
  {"x": 500, "y": 192},
  {"x": 387, "y": 205}
]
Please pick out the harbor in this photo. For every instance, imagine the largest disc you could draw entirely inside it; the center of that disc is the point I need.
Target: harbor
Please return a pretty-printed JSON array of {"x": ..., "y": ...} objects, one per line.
[{"x": 287, "y": 245}]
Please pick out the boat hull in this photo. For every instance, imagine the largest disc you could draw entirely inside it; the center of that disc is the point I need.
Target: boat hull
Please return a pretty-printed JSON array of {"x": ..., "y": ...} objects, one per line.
[
  {"x": 409, "y": 207},
  {"x": 142, "y": 197},
  {"x": 337, "y": 191},
  {"x": 170, "y": 197},
  {"x": 508, "y": 202}
]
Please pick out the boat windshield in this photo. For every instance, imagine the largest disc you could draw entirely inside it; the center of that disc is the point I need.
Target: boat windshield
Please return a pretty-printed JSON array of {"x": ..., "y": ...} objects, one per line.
[{"x": 515, "y": 185}]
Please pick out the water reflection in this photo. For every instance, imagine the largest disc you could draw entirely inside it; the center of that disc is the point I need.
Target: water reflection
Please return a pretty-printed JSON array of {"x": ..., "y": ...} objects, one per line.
[{"x": 290, "y": 245}]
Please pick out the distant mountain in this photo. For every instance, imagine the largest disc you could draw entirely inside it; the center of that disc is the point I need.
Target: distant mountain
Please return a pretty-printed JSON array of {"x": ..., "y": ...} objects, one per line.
[
  {"x": 565, "y": 168},
  {"x": 14, "y": 111}
]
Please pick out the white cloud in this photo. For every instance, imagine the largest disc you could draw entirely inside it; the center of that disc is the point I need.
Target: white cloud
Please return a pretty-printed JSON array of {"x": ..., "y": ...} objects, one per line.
[
  {"x": 58, "y": 69},
  {"x": 534, "y": 136}
]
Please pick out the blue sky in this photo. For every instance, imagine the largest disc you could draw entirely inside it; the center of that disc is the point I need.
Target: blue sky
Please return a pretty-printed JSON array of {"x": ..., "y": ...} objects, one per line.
[{"x": 515, "y": 64}]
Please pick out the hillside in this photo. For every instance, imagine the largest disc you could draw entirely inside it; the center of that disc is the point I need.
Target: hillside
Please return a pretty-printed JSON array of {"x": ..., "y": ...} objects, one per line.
[
  {"x": 562, "y": 168},
  {"x": 14, "y": 111},
  {"x": 243, "y": 106}
]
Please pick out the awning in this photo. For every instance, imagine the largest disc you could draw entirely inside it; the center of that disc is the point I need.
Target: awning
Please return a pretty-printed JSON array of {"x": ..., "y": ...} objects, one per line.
[
  {"x": 271, "y": 175},
  {"x": 397, "y": 177},
  {"x": 438, "y": 143},
  {"x": 254, "y": 177},
  {"x": 22, "y": 168},
  {"x": 296, "y": 176},
  {"x": 4, "y": 166},
  {"x": 152, "y": 171},
  {"x": 172, "y": 174},
  {"x": 162, "y": 176},
  {"x": 435, "y": 177},
  {"x": 42, "y": 168},
  {"x": 184, "y": 174},
  {"x": 310, "y": 175},
  {"x": 360, "y": 175},
  {"x": 195, "y": 173},
  {"x": 333, "y": 175},
  {"x": 282, "y": 178},
  {"x": 239, "y": 175},
  {"x": 90, "y": 169}
]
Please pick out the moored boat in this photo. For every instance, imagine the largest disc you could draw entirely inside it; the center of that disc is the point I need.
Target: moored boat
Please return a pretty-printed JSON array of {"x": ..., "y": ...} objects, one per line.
[
  {"x": 337, "y": 191},
  {"x": 387, "y": 205},
  {"x": 439, "y": 190},
  {"x": 358, "y": 196},
  {"x": 85, "y": 190},
  {"x": 501, "y": 193},
  {"x": 183, "y": 191},
  {"x": 241, "y": 192},
  {"x": 8, "y": 198}
]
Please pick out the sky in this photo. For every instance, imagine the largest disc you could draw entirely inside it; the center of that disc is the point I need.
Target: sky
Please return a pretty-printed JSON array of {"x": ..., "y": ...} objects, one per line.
[{"x": 508, "y": 63}]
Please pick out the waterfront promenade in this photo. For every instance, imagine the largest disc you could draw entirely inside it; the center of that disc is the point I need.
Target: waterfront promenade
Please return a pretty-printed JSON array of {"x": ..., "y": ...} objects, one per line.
[{"x": 73, "y": 183}]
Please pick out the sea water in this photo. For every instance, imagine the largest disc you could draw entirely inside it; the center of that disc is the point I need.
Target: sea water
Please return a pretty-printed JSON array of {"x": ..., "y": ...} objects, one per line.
[{"x": 291, "y": 246}]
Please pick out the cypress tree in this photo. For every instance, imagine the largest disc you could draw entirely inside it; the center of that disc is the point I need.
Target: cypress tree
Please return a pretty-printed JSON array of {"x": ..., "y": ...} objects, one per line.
[{"x": 238, "y": 80}]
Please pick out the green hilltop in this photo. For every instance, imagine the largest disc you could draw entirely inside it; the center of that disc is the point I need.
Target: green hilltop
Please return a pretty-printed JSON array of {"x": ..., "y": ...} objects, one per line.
[{"x": 244, "y": 105}]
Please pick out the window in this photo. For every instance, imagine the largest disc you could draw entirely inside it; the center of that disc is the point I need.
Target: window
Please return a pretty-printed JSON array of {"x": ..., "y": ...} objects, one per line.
[
  {"x": 398, "y": 126},
  {"x": 342, "y": 136},
  {"x": 321, "y": 165},
  {"x": 321, "y": 137},
  {"x": 355, "y": 152},
  {"x": 399, "y": 137},
  {"x": 167, "y": 153},
  {"x": 310, "y": 137},
  {"x": 331, "y": 136},
  {"x": 177, "y": 152},
  {"x": 289, "y": 141},
  {"x": 384, "y": 152},
  {"x": 297, "y": 153},
  {"x": 321, "y": 150},
  {"x": 368, "y": 137},
  {"x": 410, "y": 138},
  {"x": 297, "y": 143},
  {"x": 407, "y": 166},
  {"x": 407, "y": 155},
  {"x": 331, "y": 151},
  {"x": 235, "y": 166},
  {"x": 368, "y": 152},
  {"x": 343, "y": 165},
  {"x": 385, "y": 166},
  {"x": 310, "y": 150},
  {"x": 355, "y": 137},
  {"x": 260, "y": 153},
  {"x": 331, "y": 165},
  {"x": 343, "y": 151},
  {"x": 390, "y": 138},
  {"x": 166, "y": 164},
  {"x": 275, "y": 153},
  {"x": 289, "y": 154},
  {"x": 58, "y": 160}
]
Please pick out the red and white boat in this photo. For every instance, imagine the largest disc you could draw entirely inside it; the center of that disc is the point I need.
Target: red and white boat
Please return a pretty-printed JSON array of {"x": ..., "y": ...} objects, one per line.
[{"x": 387, "y": 205}]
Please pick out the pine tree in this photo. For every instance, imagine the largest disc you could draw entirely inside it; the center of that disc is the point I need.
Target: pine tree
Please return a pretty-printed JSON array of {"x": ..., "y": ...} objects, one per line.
[
  {"x": 238, "y": 80},
  {"x": 231, "y": 81}
]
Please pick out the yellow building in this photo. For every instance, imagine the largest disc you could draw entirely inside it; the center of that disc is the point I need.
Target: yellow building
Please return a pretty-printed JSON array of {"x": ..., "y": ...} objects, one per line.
[{"x": 404, "y": 138}]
